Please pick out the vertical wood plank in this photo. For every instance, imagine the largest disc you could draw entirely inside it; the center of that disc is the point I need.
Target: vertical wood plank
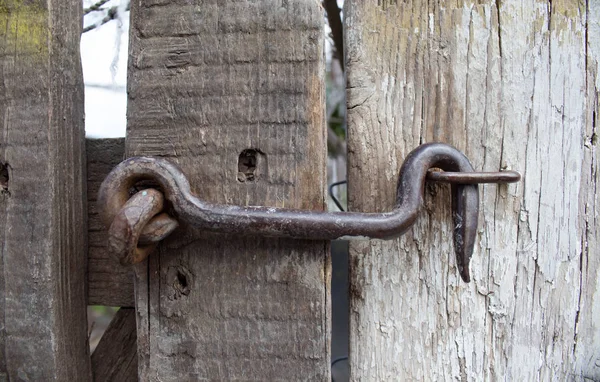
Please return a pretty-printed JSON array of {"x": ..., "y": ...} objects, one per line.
[
  {"x": 42, "y": 200},
  {"x": 115, "y": 357},
  {"x": 207, "y": 82},
  {"x": 587, "y": 335},
  {"x": 109, "y": 283},
  {"x": 514, "y": 85}
]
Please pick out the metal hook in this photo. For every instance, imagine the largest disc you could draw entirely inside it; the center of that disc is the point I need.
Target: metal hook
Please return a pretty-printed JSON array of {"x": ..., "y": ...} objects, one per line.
[{"x": 303, "y": 224}]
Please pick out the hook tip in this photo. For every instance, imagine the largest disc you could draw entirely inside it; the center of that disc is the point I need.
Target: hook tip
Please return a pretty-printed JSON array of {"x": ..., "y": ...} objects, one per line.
[
  {"x": 466, "y": 212},
  {"x": 465, "y": 274}
]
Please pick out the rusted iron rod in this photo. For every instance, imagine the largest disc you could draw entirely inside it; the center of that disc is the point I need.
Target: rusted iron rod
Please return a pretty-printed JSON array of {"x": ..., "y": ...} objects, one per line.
[
  {"x": 301, "y": 224},
  {"x": 473, "y": 177}
]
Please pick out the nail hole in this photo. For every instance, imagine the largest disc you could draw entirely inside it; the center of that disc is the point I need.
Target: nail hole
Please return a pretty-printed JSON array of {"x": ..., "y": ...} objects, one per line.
[
  {"x": 247, "y": 165},
  {"x": 182, "y": 280},
  {"x": 182, "y": 285},
  {"x": 4, "y": 178}
]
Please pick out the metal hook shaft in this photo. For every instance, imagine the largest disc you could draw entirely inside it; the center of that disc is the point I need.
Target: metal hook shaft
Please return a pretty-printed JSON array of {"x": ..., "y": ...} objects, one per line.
[{"x": 303, "y": 224}]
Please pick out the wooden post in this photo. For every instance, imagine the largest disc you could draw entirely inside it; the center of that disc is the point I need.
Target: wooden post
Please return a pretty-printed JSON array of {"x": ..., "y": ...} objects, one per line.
[
  {"x": 115, "y": 357},
  {"x": 109, "y": 283},
  {"x": 43, "y": 328},
  {"x": 514, "y": 85},
  {"x": 233, "y": 92}
]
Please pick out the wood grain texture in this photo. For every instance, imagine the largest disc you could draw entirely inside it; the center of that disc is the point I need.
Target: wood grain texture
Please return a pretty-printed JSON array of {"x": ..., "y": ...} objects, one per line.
[
  {"x": 115, "y": 357},
  {"x": 109, "y": 283},
  {"x": 206, "y": 82},
  {"x": 43, "y": 328},
  {"x": 513, "y": 85}
]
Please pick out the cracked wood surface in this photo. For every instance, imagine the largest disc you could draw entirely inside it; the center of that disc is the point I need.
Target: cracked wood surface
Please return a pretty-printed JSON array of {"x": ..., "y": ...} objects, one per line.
[
  {"x": 207, "y": 82},
  {"x": 513, "y": 85},
  {"x": 43, "y": 328}
]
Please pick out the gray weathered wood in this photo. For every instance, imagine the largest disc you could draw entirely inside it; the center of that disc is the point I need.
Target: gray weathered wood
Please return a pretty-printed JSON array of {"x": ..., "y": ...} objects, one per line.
[
  {"x": 207, "y": 82},
  {"x": 109, "y": 283},
  {"x": 42, "y": 201},
  {"x": 507, "y": 83},
  {"x": 115, "y": 357}
]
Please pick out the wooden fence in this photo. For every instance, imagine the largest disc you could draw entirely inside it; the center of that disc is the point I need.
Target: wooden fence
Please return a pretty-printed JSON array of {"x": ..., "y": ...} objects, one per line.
[{"x": 513, "y": 85}]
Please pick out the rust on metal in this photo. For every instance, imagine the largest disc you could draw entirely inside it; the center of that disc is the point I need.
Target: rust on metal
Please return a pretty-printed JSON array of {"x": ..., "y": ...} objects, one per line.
[
  {"x": 158, "y": 228},
  {"x": 302, "y": 224},
  {"x": 129, "y": 222},
  {"x": 473, "y": 177}
]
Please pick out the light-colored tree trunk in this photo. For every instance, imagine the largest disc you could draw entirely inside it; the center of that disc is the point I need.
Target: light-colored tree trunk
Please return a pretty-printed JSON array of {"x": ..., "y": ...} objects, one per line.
[{"x": 514, "y": 85}]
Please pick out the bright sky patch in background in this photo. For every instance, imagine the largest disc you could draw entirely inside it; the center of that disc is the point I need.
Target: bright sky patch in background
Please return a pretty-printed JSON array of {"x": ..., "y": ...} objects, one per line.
[{"x": 104, "y": 60}]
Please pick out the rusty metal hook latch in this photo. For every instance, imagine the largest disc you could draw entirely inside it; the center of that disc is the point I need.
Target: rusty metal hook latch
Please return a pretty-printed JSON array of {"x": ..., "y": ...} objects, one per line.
[{"x": 137, "y": 223}]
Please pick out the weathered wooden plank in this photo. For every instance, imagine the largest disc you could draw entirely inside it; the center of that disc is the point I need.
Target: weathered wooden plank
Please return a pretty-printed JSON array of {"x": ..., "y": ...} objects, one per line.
[
  {"x": 506, "y": 83},
  {"x": 115, "y": 357},
  {"x": 587, "y": 335},
  {"x": 109, "y": 283},
  {"x": 207, "y": 83},
  {"x": 43, "y": 324}
]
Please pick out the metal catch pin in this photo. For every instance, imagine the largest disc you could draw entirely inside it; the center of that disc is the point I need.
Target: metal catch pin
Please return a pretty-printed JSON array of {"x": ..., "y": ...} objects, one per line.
[{"x": 136, "y": 224}]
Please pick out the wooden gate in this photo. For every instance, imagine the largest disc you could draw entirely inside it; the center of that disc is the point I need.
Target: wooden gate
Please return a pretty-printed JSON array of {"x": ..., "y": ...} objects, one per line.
[{"x": 233, "y": 92}]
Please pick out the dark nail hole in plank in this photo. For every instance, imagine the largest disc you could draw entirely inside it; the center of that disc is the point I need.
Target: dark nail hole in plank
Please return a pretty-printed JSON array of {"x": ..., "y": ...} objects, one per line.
[
  {"x": 180, "y": 280},
  {"x": 248, "y": 163},
  {"x": 4, "y": 177}
]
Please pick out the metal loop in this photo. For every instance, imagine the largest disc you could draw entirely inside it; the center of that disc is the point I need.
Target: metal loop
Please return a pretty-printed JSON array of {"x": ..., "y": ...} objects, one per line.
[
  {"x": 158, "y": 228},
  {"x": 137, "y": 216}
]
